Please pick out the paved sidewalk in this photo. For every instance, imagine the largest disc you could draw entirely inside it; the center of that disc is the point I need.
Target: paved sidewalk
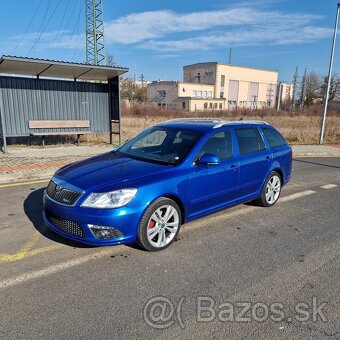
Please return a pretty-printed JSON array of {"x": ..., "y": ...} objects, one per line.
[{"x": 35, "y": 163}]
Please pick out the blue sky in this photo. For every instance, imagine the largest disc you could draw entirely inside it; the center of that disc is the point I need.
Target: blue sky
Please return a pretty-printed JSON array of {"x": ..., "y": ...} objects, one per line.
[{"x": 157, "y": 38}]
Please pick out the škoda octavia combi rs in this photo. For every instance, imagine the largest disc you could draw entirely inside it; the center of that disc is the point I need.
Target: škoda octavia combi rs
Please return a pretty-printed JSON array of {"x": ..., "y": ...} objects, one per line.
[{"x": 167, "y": 175}]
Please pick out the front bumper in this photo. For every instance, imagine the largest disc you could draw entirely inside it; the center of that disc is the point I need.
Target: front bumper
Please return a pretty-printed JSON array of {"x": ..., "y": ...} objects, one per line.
[{"x": 125, "y": 219}]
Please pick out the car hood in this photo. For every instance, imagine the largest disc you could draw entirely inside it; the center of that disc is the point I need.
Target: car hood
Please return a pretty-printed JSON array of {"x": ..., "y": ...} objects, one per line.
[{"x": 101, "y": 172}]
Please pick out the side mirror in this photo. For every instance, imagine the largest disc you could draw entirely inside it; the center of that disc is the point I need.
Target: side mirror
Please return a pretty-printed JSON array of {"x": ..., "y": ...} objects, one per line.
[{"x": 209, "y": 159}]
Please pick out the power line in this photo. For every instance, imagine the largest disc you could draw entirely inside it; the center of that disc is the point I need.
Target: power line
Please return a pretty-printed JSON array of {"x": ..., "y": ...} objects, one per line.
[
  {"x": 74, "y": 28},
  {"x": 28, "y": 27},
  {"x": 60, "y": 35},
  {"x": 41, "y": 27}
]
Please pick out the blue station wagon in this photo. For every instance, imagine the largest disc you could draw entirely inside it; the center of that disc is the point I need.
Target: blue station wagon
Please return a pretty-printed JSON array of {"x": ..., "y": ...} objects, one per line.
[{"x": 167, "y": 175}]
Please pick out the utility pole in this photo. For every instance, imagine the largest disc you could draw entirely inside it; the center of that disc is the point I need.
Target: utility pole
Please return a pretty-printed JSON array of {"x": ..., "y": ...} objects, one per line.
[
  {"x": 230, "y": 50},
  {"x": 303, "y": 86},
  {"x": 95, "y": 45},
  {"x": 294, "y": 85},
  {"x": 325, "y": 105},
  {"x": 279, "y": 97}
]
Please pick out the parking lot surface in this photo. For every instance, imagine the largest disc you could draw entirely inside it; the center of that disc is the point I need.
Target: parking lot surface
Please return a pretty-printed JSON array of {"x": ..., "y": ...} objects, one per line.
[{"x": 286, "y": 255}]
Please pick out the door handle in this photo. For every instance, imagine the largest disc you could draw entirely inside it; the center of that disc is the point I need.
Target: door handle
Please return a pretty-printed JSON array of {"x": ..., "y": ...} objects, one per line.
[
  {"x": 268, "y": 158},
  {"x": 234, "y": 167}
]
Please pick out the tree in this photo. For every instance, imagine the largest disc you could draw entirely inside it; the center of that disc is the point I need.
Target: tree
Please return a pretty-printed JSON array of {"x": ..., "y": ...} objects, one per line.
[
  {"x": 110, "y": 61},
  {"x": 334, "y": 90},
  {"x": 312, "y": 89},
  {"x": 133, "y": 91}
]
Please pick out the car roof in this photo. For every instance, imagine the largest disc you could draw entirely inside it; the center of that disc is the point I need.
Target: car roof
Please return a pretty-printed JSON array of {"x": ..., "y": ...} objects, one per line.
[{"x": 207, "y": 124}]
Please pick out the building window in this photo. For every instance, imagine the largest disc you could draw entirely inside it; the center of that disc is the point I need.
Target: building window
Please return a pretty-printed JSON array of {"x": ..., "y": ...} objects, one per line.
[
  {"x": 199, "y": 94},
  {"x": 183, "y": 105},
  {"x": 194, "y": 93},
  {"x": 220, "y": 106},
  {"x": 210, "y": 105},
  {"x": 221, "y": 94},
  {"x": 205, "y": 105},
  {"x": 204, "y": 94},
  {"x": 215, "y": 105},
  {"x": 222, "y": 81},
  {"x": 209, "y": 94},
  {"x": 161, "y": 94}
]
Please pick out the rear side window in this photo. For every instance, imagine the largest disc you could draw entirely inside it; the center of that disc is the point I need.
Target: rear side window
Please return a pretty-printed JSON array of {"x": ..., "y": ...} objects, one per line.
[
  {"x": 273, "y": 137},
  {"x": 219, "y": 144},
  {"x": 249, "y": 140}
]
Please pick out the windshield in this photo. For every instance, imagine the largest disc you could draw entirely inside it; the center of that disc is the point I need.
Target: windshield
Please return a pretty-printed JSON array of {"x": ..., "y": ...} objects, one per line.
[{"x": 161, "y": 145}]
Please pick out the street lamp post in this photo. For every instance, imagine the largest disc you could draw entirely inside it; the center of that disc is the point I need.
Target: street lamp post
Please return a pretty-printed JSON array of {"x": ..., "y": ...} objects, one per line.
[{"x": 322, "y": 132}]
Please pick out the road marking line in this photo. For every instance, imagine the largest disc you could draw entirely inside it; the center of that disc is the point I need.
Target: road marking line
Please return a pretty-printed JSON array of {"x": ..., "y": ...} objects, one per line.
[
  {"x": 27, "y": 251},
  {"x": 23, "y": 183},
  {"x": 328, "y": 186},
  {"x": 52, "y": 269},
  {"x": 297, "y": 195},
  {"x": 72, "y": 263}
]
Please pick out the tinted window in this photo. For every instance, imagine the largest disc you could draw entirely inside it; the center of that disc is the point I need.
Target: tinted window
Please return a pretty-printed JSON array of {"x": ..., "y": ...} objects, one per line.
[
  {"x": 219, "y": 144},
  {"x": 273, "y": 137},
  {"x": 249, "y": 140}
]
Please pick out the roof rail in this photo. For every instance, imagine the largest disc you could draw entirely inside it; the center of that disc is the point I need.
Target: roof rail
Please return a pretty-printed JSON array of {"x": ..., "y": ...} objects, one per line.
[
  {"x": 231, "y": 122},
  {"x": 198, "y": 119}
]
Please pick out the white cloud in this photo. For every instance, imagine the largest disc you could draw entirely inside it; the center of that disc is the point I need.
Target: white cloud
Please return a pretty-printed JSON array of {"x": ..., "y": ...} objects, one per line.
[
  {"x": 139, "y": 27},
  {"x": 242, "y": 37},
  {"x": 210, "y": 29},
  {"x": 168, "y": 31}
]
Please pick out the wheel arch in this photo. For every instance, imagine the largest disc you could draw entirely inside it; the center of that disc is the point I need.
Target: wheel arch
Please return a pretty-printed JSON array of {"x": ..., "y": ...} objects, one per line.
[
  {"x": 179, "y": 203},
  {"x": 280, "y": 172}
]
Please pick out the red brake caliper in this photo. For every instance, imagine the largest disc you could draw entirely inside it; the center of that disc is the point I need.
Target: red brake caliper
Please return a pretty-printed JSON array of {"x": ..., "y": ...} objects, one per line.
[{"x": 151, "y": 224}]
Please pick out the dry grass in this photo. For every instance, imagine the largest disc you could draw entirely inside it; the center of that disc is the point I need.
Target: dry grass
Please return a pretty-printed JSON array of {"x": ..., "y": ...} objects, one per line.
[{"x": 302, "y": 127}]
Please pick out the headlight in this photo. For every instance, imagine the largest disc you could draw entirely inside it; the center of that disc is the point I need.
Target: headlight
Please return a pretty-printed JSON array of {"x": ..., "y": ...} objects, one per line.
[{"x": 113, "y": 199}]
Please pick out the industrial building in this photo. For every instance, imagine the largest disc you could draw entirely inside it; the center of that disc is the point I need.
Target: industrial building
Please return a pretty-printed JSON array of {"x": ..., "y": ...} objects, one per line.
[
  {"x": 285, "y": 92},
  {"x": 216, "y": 86}
]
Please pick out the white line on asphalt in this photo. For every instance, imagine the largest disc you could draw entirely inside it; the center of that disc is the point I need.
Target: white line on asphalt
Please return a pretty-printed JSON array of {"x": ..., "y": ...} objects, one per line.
[
  {"x": 53, "y": 269},
  {"x": 297, "y": 195},
  {"x": 329, "y": 186},
  {"x": 72, "y": 263}
]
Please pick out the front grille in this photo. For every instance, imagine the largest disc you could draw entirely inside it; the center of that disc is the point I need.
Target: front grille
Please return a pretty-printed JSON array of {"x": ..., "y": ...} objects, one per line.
[
  {"x": 62, "y": 195},
  {"x": 67, "y": 226}
]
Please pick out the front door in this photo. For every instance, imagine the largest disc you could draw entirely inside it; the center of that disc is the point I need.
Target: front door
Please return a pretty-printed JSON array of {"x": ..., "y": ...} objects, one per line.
[{"x": 212, "y": 186}]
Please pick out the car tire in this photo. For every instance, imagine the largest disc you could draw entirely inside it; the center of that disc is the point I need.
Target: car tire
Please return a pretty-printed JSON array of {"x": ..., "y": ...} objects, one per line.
[
  {"x": 159, "y": 225},
  {"x": 271, "y": 190}
]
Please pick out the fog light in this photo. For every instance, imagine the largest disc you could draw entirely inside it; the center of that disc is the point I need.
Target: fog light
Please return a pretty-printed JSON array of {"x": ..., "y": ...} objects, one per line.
[{"x": 105, "y": 233}]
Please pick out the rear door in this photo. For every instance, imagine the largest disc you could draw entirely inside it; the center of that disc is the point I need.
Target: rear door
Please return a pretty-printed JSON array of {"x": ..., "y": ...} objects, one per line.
[
  {"x": 255, "y": 160},
  {"x": 212, "y": 186}
]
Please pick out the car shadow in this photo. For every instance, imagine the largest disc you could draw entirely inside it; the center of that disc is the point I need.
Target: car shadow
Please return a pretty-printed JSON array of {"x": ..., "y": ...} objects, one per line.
[
  {"x": 33, "y": 207},
  {"x": 315, "y": 163}
]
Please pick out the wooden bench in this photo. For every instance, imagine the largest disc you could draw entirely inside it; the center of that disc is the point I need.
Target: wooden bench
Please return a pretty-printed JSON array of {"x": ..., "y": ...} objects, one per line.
[{"x": 58, "y": 124}]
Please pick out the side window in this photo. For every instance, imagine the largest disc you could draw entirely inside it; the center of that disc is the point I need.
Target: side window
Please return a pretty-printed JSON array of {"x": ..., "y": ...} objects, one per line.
[
  {"x": 273, "y": 137},
  {"x": 219, "y": 144},
  {"x": 249, "y": 140}
]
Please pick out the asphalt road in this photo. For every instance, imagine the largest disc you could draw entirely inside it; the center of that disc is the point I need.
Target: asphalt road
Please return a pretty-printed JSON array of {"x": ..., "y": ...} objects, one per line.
[{"x": 226, "y": 277}]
